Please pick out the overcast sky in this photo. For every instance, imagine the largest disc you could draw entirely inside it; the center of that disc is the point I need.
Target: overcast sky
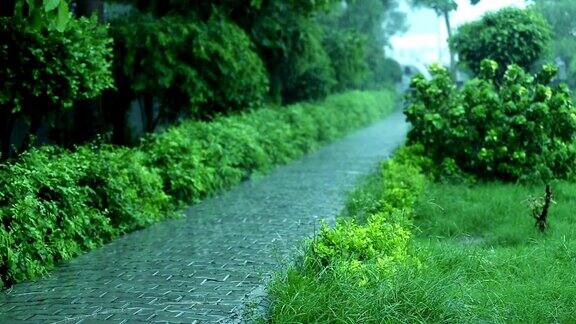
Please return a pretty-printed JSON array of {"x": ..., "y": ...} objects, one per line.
[{"x": 425, "y": 41}]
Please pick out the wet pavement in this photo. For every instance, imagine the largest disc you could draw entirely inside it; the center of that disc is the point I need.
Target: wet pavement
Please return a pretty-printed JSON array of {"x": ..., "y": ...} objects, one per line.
[{"x": 201, "y": 267}]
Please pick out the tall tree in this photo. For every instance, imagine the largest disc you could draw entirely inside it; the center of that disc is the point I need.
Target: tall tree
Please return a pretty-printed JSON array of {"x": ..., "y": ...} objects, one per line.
[
  {"x": 443, "y": 8},
  {"x": 560, "y": 15},
  {"x": 368, "y": 24}
]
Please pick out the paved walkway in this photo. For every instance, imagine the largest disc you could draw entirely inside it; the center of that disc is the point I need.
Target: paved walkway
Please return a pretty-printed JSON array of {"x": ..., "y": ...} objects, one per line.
[{"x": 201, "y": 267}]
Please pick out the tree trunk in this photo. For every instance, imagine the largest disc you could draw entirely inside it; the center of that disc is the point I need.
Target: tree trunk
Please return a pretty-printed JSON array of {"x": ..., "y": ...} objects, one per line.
[
  {"x": 116, "y": 104},
  {"x": 6, "y": 127},
  {"x": 452, "y": 56}
]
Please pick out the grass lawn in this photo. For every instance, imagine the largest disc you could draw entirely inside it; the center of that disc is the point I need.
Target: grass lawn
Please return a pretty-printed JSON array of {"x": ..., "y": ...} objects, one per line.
[
  {"x": 481, "y": 260},
  {"x": 480, "y": 245}
]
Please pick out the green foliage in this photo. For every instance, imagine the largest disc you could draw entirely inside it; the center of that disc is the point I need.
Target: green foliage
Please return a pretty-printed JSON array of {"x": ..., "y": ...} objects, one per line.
[
  {"x": 345, "y": 268},
  {"x": 382, "y": 238},
  {"x": 290, "y": 44},
  {"x": 309, "y": 73},
  {"x": 355, "y": 39},
  {"x": 481, "y": 261},
  {"x": 55, "y": 204},
  {"x": 383, "y": 71},
  {"x": 521, "y": 129},
  {"x": 508, "y": 36},
  {"x": 203, "y": 68},
  {"x": 164, "y": 7},
  {"x": 346, "y": 50},
  {"x": 48, "y": 70},
  {"x": 124, "y": 187},
  {"x": 356, "y": 249},
  {"x": 560, "y": 15},
  {"x": 197, "y": 159},
  {"x": 53, "y": 15}
]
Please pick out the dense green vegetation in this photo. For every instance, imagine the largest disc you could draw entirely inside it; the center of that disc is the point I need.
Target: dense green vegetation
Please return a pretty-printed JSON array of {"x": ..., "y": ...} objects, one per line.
[
  {"x": 344, "y": 274},
  {"x": 458, "y": 226},
  {"x": 473, "y": 254},
  {"x": 44, "y": 73},
  {"x": 56, "y": 203},
  {"x": 521, "y": 127},
  {"x": 559, "y": 15},
  {"x": 509, "y": 36},
  {"x": 176, "y": 60},
  {"x": 219, "y": 70},
  {"x": 175, "y": 64}
]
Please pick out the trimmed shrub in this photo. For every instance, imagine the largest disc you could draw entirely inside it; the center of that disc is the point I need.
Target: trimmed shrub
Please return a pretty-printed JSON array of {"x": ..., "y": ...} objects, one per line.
[
  {"x": 193, "y": 67},
  {"x": 46, "y": 70},
  {"x": 124, "y": 187},
  {"x": 521, "y": 129},
  {"x": 54, "y": 203},
  {"x": 196, "y": 159},
  {"x": 508, "y": 36}
]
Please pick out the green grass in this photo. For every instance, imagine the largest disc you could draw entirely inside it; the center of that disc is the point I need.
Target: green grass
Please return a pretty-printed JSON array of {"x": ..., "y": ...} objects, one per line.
[
  {"x": 481, "y": 240},
  {"x": 481, "y": 260}
]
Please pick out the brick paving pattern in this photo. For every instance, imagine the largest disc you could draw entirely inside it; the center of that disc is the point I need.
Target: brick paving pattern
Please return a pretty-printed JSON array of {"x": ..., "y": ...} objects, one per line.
[{"x": 200, "y": 268}]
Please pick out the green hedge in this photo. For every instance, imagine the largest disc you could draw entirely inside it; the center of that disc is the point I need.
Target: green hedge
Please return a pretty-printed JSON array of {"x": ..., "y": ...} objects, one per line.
[
  {"x": 192, "y": 67},
  {"x": 54, "y": 203}
]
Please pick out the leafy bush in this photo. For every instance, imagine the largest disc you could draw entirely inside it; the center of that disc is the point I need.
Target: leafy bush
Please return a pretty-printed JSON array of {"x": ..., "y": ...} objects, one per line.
[
  {"x": 124, "y": 187},
  {"x": 310, "y": 75},
  {"x": 383, "y": 236},
  {"x": 290, "y": 44},
  {"x": 196, "y": 159},
  {"x": 200, "y": 68},
  {"x": 346, "y": 50},
  {"x": 307, "y": 72},
  {"x": 521, "y": 129},
  {"x": 51, "y": 70},
  {"x": 350, "y": 247},
  {"x": 54, "y": 203},
  {"x": 508, "y": 36}
]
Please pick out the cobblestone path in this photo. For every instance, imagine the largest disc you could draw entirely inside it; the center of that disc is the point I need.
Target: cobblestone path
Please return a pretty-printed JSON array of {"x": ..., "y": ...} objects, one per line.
[{"x": 199, "y": 268}]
